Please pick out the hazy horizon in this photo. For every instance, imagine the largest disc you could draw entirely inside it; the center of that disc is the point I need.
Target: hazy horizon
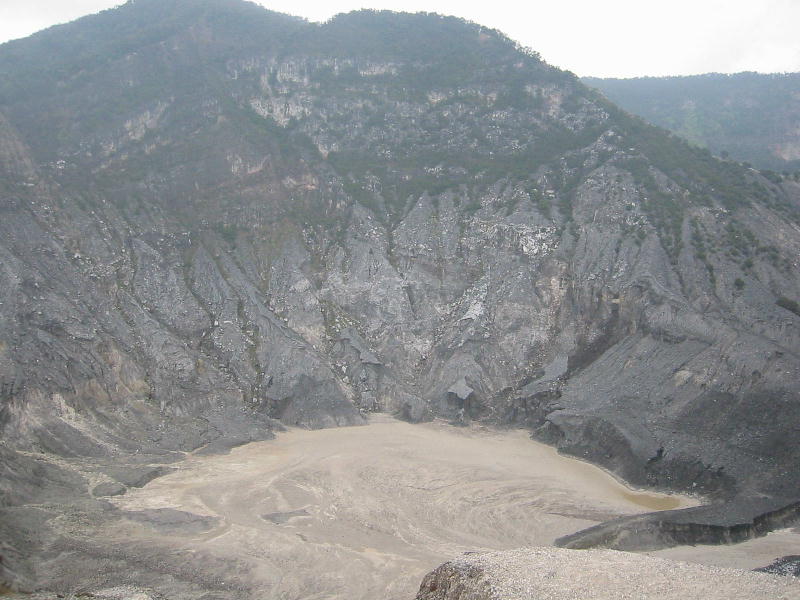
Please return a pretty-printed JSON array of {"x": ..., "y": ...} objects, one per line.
[{"x": 622, "y": 38}]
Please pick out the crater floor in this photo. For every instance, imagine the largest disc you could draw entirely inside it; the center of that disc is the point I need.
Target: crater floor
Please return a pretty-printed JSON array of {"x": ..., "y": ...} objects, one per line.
[{"x": 366, "y": 512}]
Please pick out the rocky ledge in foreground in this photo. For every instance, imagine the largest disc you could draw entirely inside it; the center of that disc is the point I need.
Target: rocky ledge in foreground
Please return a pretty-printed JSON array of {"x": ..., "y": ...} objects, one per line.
[{"x": 557, "y": 574}]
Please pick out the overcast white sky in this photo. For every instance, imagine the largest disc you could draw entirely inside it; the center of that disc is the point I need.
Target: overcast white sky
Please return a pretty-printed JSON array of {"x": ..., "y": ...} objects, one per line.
[{"x": 607, "y": 38}]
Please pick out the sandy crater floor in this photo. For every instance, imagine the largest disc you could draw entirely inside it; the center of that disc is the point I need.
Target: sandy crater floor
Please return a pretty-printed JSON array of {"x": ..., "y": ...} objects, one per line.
[{"x": 366, "y": 512}]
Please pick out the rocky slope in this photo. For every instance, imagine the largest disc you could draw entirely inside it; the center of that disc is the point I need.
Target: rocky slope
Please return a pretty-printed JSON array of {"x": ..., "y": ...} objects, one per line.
[
  {"x": 752, "y": 117},
  {"x": 736, "y": 521},
  {"x": 216, "y": 218}
]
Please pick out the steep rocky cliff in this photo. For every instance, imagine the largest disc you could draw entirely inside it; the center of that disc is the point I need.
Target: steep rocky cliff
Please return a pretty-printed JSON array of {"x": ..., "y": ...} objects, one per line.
[{"x": 215, "y": 218}]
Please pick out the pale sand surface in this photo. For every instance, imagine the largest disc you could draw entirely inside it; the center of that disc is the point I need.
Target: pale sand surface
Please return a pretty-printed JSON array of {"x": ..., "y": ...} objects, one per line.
[
  {"x": 366, "y": 512},
  {"x": 557, "y": 574},
  {"x": 751, "y": 554}
]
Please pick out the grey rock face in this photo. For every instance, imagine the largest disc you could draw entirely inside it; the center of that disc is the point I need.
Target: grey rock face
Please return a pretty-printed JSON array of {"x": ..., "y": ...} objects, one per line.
[
  {"x": 788, "y": 566},
  {"x": 108, "y": 488},
  {"x": 736, "y": 521},
  {"x": 172, "y": 521},
  {"x": 454, "y": 581},
  {"x": 258, "y": 220}
]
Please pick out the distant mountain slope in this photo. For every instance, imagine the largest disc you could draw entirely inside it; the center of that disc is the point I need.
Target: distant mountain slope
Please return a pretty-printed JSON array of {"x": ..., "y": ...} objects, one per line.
[{"x": 753, "y": 117}]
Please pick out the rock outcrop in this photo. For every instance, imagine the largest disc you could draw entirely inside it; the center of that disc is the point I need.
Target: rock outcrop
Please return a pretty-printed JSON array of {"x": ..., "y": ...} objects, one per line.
[
  {"x": 730, "y": 523},
  {"x": 788, "y": 566}
]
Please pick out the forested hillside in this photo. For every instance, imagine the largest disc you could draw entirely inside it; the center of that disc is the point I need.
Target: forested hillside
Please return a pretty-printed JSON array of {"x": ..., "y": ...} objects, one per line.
[{"x": 748, "y": 117}]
